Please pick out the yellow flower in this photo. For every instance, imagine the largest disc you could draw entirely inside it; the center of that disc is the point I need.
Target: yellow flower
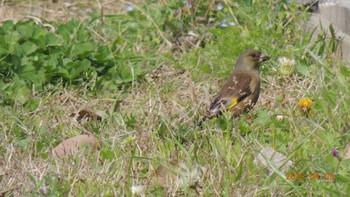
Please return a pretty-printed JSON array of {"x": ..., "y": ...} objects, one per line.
[{"x": 305, "y": 104}]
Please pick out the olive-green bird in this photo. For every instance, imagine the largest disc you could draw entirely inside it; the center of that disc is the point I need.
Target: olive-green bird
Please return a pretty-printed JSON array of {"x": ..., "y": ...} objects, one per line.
[{"x": 241, "y": 91}]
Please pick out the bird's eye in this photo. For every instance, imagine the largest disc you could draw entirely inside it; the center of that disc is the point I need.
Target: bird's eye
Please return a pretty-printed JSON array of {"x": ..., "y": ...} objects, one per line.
[{"x": 253, "y": 55}]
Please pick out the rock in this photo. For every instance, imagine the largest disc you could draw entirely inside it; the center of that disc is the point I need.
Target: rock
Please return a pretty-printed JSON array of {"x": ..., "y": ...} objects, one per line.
[
  {"x": 336, "y": 12},
  {"x": 72, "y": 145},
  {"x": 269, "y": 156},
  {"x": 321, "y": 24}
]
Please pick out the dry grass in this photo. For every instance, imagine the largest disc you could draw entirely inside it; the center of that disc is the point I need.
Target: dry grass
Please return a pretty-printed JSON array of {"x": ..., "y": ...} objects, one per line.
[
  {"x": 61, "y": 11},
  {"x": 183, "y": 103},
  {"x": 153, "y": 123}
]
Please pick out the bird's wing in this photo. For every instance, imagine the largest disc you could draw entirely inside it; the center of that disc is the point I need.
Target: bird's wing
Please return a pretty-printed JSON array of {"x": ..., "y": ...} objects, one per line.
[{"x": 234, "y": 91}]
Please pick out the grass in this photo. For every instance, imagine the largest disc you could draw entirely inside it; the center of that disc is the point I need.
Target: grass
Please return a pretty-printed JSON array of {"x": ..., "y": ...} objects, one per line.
[{"x": 152, "y": 119}]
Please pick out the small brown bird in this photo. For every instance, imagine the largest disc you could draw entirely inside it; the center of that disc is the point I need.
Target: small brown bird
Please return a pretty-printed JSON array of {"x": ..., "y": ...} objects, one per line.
[{"x": 241, "y": 91}]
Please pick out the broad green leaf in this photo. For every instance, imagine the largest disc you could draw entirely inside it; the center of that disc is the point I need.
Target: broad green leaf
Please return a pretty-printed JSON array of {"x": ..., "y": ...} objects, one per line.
[
  {"x": 82, "y": 35},
  {"x": 39, "y": 79},
  {"x": 53, "y": 40},
  {"x": 302, "y": 69},
  {"x": 3, "y": 86},
  {"x": 26, "y": 29},
  {"x": 103, "y": 54},
  {"x": 39, "y": 32},
  {"x": 126, "y": 74},
  {"x": 29, "y": 47},
  {"x": 40, "y": 42},
  {"x": 3, "y": 46},
  {"x": 12, "y": 39},
  {"x": 27, "y": 72},
  {"x": 22, "y": 94},
  {"x": 51, "y": 63},
  {"x": 67, "y": 31},
  {"x": 7, "y": 26},
  {"x": 79, "y": 68},
  {"x": 82, "y": 49},
  {"x": 63, "y": 73},
  {"x": 26, "y": 61},
  {"x": 66, "y": 61}
]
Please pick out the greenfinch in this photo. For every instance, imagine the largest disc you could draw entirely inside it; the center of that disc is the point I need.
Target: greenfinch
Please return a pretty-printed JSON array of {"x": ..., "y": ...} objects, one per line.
[{"x": 241, "y": 91}]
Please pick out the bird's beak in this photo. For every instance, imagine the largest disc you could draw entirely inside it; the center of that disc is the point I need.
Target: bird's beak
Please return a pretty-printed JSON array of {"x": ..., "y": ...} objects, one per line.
[{"x": 263, "y": 58}]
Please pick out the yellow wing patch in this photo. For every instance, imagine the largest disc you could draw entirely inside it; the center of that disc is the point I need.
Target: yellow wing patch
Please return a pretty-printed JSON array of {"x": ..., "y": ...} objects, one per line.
[{"x": 233, "y": 103}]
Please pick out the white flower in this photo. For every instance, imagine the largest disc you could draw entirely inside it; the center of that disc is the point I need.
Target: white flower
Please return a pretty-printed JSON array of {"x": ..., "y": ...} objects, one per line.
[
  {"x": 138, "y": 189},
  {"x": 223, "y": 23},
  {"x": 269, "y": 26},
  {"x": 243, "y": 35},
  {"x": 129, "y": 8},
  {"x": 287, "y": 66},
  {"x": 232, "y": 23},
  {"x": 280, "y": 117},
  {"x": 219, "y": 6},
  {"x": 189, "y": 5}
]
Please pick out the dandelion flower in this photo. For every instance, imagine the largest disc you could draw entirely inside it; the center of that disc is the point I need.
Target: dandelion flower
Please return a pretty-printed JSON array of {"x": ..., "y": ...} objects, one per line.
[
  {"x": 287, "y": 66},
  {"x": 305, "y": 104}
]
